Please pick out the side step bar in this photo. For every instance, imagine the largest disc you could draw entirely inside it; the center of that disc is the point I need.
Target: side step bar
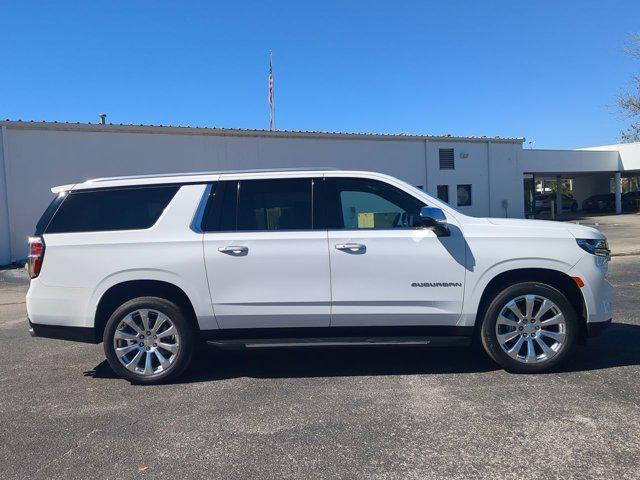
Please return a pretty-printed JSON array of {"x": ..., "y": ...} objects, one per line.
[{"x": 457, "y": 341}]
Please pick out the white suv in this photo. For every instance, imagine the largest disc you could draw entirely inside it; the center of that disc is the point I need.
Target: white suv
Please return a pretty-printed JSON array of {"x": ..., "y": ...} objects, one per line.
[{"x": 152, "y": 265}]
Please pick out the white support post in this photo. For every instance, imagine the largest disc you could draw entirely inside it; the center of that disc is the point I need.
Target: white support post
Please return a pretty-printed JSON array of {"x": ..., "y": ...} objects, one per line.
[
  {"x": 618, "y": 186},
  {"x": 558, "y": 195}
]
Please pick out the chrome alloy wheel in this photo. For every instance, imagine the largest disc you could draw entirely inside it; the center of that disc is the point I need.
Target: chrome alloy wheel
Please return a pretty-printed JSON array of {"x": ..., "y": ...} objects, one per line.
[
  {"x": 531, "y": 329},
  {"x": 146, "y": 342}
]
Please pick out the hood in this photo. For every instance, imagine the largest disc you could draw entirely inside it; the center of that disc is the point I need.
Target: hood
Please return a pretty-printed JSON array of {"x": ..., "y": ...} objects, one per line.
[{"x": 578, "y": 231}]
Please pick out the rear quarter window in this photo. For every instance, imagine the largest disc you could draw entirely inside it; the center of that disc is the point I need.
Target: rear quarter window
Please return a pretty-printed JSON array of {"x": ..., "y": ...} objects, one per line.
[
  {"x": 111, "y": 209},
  {"x": 49, "y": 212}
]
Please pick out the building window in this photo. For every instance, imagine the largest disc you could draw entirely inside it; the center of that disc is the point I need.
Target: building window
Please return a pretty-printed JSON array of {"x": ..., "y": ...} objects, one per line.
[
  {"x": 446, "y": 159},
  {"x": 464, "y": 195},
  {"x": 443, "y": 193}
]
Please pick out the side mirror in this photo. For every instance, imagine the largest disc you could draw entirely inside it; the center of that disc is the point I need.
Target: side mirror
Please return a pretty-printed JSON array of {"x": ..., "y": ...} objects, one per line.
[{"x": 434, "y": 218}]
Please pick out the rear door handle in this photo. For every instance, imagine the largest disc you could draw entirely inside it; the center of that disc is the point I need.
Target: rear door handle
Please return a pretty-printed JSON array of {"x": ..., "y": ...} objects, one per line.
[
  {"x": 234, "y": 249},
  {"x": 351, "y": 247}
]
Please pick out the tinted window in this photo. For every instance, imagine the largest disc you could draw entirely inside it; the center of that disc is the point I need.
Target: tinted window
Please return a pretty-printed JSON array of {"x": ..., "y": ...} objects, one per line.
[
  {"x": 261, "y": 205},
  {"x": 48, "y": 213},
  {"x": 220, "y": 214},
  {"x": 356, "y": 204},
  {"x": 111, "y": 209},
  {"x": 283, "y": 204}
]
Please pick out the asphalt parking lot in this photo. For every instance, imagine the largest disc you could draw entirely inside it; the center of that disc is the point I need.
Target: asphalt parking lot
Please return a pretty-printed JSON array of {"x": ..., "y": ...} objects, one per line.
[{"x": 330, "y": 413}]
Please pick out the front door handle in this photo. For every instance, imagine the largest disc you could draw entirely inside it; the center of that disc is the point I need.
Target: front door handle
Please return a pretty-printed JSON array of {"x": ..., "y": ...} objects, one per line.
[
  {"x": 351, "y": 247},
  {"x": 234, "y": 250}
]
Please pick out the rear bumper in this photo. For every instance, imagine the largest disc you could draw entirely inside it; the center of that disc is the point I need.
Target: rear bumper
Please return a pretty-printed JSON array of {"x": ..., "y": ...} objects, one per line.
[{"x": 74, "y": 334}]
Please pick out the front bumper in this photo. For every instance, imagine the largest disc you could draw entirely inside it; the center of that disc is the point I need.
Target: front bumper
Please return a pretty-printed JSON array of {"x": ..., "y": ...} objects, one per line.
[{"x": 59, "y": 332}]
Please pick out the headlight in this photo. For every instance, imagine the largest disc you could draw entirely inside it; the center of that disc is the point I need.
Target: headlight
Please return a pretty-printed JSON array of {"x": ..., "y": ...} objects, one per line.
[{"x": 599, "y": 248}]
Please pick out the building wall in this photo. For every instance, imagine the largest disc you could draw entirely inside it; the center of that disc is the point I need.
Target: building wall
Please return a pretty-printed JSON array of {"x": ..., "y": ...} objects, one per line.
[{"x": 37, "y": 159}]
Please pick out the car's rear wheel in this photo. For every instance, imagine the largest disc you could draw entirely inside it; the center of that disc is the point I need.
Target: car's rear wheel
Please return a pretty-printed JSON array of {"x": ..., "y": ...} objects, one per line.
[
  {"x": 529, "y": 328},
  {"x": 148, "y": 340}
]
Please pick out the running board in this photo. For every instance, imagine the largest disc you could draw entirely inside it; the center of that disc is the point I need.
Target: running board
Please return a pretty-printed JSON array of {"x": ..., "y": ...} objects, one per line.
[{"x": 456, "y": 341}]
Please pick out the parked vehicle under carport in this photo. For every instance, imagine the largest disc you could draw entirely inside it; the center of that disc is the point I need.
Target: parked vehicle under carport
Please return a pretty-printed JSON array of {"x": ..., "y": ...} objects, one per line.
[
  {"x": 631, "y": 201},
  {"x": 605, "y": 202},
  {"x": 543, "y": 203}
]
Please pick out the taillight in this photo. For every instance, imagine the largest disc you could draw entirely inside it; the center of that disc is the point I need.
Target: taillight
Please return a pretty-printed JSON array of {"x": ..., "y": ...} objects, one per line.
[{"x": 36, "y": 256}]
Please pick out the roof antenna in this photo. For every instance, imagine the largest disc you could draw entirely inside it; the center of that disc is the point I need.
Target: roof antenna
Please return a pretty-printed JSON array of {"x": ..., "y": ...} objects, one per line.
[{"x": 103, "y": 118}]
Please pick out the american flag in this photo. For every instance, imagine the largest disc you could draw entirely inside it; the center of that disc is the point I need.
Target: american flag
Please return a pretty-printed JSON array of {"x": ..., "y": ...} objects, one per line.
[{"x": 271, "y": 106}]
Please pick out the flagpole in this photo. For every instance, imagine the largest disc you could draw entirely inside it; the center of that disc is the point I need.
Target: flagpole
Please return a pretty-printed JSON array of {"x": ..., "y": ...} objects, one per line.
[{"x": 272, "y": 104}]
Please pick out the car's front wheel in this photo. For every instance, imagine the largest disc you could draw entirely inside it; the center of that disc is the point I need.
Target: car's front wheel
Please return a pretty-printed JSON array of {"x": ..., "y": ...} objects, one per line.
[
  {"x": 148, "y": 340},
  {"x": 529, "y": 328}
]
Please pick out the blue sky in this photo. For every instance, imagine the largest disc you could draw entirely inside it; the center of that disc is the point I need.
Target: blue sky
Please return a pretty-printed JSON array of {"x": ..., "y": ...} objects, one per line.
[{"x": 546, "y": 70}]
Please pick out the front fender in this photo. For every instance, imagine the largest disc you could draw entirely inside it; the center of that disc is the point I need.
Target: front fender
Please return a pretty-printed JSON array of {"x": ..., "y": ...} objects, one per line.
[{"x": 478, "y": 281}]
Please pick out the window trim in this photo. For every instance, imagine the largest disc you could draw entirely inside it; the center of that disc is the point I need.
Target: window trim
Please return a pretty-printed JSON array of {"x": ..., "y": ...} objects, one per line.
[{"x": 198, "y": 216}]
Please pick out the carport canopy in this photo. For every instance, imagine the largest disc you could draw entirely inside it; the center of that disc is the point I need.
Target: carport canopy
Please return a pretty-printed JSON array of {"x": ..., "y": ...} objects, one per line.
[{"x": 591, "y": 170}]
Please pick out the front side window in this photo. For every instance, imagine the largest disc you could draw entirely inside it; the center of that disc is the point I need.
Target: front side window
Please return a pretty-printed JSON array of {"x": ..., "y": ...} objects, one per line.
[
  {"x": 111, "y": 209},
  {"x": 261, "y": 205},
  {"x": 363, "y": 204}
]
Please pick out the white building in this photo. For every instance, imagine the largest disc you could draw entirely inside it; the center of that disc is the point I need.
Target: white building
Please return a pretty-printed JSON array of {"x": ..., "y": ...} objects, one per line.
[{"x": 482, "y": 176}]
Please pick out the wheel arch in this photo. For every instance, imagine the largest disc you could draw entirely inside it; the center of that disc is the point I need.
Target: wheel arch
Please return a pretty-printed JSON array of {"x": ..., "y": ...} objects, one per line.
[
  {"x": 121, "y": 292},
  {"x": 555, "y": 278}
]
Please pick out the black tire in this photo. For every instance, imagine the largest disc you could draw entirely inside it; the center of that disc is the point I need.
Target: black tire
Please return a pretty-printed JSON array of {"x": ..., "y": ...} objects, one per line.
[
  {"x": 488, "y": 332},
  {"x": 185, "y": 334}
]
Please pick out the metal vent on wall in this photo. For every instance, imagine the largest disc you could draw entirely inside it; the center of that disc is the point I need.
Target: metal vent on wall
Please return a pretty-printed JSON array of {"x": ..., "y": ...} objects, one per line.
[{"x": 446, "y": 159}]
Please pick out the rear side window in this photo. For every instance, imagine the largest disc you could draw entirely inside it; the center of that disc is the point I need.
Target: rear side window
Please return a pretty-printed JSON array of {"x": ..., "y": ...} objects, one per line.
[
  {"x": 111, "y": 209},
  {"x": 274, "y": 205},
  {"x": 261, "y": 205}
]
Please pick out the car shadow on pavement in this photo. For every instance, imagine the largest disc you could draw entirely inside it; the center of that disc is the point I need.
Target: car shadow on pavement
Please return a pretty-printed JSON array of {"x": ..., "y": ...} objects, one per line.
[
  {"x": 213, "y": 363},
  {"x": 618, "y": 346}
]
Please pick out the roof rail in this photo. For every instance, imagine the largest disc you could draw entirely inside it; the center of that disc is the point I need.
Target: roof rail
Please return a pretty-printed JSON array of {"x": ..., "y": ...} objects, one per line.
[{"x": 217, "y": 172}]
